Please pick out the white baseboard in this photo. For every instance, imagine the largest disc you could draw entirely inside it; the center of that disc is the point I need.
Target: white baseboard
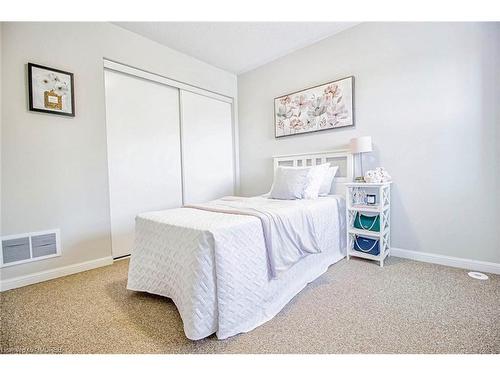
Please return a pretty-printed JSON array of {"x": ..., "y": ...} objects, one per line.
[
  {"x": 468, "y": 264},
  {"x": 17, "y": 282}
]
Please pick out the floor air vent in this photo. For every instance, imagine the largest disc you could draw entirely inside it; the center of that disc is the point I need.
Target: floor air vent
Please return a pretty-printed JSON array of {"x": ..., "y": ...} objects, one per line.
[
  {"x": 478, "y": 275},
  {"x": 28, "y": 247}
]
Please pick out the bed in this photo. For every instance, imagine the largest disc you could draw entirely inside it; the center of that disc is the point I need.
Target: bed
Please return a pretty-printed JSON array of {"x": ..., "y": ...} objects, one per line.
[{"x": 215, "y": 265}]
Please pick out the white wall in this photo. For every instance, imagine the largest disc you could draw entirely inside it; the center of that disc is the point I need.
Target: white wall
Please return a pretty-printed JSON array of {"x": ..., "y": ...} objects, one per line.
[
  {"x": 428, "y": 94},
  {"x": 1, "y": 49},
  {"x": 54, "y": 168}
]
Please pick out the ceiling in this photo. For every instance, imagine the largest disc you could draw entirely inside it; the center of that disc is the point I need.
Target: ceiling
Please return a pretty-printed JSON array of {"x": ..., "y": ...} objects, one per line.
[{"x": 236, "y": 46}]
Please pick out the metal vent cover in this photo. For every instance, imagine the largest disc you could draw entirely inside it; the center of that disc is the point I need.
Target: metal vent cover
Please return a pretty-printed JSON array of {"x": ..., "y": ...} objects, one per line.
[
  {"x": 44, "y": 244},
  {"x": 15, "y": 250},
  {"x": 28, "y": 247}
]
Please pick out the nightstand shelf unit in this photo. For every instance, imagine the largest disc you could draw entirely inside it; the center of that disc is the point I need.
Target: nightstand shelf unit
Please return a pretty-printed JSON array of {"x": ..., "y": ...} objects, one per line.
[{"x": 382, "y": 191}]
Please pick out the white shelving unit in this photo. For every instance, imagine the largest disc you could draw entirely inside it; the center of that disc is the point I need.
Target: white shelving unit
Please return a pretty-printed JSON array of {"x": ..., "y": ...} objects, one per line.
[{"x": 382, "y": 207}]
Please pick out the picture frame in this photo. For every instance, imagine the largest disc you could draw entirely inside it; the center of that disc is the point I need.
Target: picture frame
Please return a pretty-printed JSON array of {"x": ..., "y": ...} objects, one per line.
[
  {"x": 51, "y": 90},
  {"x": 322, "y": 107},
  {"x": 371, "y": 199}
]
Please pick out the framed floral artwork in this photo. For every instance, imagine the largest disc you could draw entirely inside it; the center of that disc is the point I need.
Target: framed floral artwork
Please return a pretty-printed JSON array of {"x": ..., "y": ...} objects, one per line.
[
  {"x": 50, "y": 90},
  {"x": 323, "y": 107}
]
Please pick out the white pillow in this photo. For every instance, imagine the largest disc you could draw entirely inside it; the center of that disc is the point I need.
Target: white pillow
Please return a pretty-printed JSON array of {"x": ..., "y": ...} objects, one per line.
[
  {"x": 315, "y": 180},
  {"x": 289, "y": 183},
  {"x": 326, "y": 184}
]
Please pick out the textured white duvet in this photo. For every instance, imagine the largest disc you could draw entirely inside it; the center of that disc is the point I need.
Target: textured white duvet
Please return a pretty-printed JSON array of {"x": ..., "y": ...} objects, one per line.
[
  {"x": 289, "y": 230},
  {"x": 215, "y": 266}
]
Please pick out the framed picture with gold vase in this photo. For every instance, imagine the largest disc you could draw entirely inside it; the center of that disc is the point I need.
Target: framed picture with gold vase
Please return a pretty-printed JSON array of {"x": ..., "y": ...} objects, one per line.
[{"x": 50, "y": 90}]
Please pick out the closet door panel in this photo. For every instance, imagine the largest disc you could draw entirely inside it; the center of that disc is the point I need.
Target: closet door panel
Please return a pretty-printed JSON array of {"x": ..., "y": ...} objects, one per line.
[
  {"x": 143, "y": 135},
  {"x": 207, "y": 148}
]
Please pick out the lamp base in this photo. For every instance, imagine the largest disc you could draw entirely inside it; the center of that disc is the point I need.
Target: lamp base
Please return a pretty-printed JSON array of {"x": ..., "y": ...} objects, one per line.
[{"x": 359, "y": 178}]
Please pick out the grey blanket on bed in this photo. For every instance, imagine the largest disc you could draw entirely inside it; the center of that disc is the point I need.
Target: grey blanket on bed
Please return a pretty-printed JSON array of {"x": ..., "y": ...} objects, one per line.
[{"x": 288, "y": 227}]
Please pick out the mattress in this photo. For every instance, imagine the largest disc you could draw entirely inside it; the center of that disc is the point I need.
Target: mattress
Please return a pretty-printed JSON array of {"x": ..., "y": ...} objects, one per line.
[{"x": 214, "y": 266}]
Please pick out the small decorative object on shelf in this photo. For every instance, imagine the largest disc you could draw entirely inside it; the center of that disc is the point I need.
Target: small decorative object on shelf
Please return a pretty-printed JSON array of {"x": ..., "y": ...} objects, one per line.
[
  {"x": 368, "y": 209},
  {"x": 371, "y": 199},
  {"x": 359, "y": 196},
  {"x": 377, "y": 175}
]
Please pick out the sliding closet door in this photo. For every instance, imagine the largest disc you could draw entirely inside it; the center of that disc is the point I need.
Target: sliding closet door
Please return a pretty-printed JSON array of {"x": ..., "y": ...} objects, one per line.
[
  {"x": 207, "y": 148},
  {"x": 143, "y": 134}
]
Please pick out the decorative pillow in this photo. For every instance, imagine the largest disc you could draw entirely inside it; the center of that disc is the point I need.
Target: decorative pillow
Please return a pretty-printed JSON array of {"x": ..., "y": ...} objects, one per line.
[
  {"x": 315, "y": 180},
  {"x": 326, "y": 184},
  {"x": 289, "y": 183}
]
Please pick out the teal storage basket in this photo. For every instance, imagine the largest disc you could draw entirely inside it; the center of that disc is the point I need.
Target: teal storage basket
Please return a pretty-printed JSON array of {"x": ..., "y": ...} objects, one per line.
[{"x": 371, "y": 223}]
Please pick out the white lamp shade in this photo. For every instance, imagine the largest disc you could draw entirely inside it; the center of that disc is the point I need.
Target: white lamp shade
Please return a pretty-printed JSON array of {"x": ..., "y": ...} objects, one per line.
[{"x": 361, "y": 144}]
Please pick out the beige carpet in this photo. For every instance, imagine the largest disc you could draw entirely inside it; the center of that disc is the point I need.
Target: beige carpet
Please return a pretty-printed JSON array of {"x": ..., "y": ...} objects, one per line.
[{"x": 356, "y": 307}]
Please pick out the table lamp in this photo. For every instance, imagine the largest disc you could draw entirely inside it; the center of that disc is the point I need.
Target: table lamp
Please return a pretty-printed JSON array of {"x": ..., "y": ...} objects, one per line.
[{"x": 359, "y": 146}]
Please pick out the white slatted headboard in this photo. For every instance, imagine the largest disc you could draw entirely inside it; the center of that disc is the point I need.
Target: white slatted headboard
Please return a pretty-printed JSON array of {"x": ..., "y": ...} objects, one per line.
[{"x": 342, "y": 158}]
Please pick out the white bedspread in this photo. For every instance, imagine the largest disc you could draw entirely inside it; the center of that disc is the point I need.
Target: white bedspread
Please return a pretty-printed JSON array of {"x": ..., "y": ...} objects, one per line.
[
  {"x": 214, "y": 266},
  {"x": 288, "y": 229}
]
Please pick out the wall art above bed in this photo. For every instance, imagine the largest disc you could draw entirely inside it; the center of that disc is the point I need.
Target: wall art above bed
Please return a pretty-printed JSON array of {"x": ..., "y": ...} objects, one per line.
[{"x": 323, "y": 107}]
